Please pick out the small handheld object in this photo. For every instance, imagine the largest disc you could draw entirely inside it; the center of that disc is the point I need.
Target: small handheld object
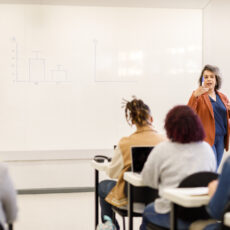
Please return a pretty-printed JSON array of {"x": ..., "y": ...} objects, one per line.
[
  {"x": 101, "y": 158},
  {"x": 202, "y": 81}
]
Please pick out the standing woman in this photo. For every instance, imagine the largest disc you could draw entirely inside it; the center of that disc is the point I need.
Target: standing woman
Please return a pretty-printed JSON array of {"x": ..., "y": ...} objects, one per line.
[
  {"x": 111, "y": 192},
  {"x": 213, "y": 109}
]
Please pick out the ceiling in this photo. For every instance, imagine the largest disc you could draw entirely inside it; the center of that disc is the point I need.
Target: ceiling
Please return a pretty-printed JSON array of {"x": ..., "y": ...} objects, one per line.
[{"x": 178, "y": 4}]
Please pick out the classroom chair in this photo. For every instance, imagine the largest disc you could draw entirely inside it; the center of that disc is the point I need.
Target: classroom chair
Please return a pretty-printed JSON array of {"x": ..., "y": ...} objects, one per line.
[
  {"x": 141, "y": 195},
  {"x": 10, "y": 227},
  {"x": 137, "y": 192},
  {"x": 199, "y": 179}
]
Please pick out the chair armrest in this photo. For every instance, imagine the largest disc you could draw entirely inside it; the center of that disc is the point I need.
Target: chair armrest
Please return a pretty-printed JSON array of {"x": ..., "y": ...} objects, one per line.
[
  {"x": 134, "y": 179},
  {"x": 227, "y": 219}
]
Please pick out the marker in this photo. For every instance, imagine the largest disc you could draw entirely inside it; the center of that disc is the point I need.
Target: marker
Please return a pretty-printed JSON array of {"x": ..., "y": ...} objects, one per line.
[{"x": 202, "y": 81}]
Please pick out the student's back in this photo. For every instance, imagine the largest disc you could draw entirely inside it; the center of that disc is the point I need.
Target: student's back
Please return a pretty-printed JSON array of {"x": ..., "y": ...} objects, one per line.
[
  {"x": 112, "y": 193},
  {"x": 170, "y": 162}
]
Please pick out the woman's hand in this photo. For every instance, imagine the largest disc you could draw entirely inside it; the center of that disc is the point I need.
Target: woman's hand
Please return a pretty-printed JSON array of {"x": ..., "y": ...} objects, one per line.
[
  {"x": 212, "y": 187},
  {"x": 199, "y": 91}
]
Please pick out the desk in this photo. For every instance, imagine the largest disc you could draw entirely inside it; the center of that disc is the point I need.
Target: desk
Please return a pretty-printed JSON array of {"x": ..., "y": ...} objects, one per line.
[
  {"x": 176, "y": 196},
  {"x": 227, "y": 219},
  {"x": 98, "y": 167},
  {"x": 133, "y": 179}
]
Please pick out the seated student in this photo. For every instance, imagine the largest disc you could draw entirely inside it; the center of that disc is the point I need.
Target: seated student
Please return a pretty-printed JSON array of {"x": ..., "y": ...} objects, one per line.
[
  {"x": 111, "y": 192},
  {"x": 8, "y": 202},
  {"x": 219, "y": 191},
  {"x": 170, "y": 162}
]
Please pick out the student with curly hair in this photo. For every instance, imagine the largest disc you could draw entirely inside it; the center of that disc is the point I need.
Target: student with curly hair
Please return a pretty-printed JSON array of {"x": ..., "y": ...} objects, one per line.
[
  {"x": 170, "y": 162},
  {"x": 111, "y": 192}
]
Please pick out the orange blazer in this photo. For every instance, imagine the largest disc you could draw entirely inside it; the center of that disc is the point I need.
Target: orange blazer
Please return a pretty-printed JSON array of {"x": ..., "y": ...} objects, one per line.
[{"x": 203, "y": 108}]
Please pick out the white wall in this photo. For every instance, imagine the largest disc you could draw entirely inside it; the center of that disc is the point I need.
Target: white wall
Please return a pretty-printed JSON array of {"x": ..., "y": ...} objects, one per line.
[
  {"x": 216, "y": 37},
  {"x": 174, "y": 38},
  {"x": 65, "y": 70},
  {"x": 52, "y": 169}
]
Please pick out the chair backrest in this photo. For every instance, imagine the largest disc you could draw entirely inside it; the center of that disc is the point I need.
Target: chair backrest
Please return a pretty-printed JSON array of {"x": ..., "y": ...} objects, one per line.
[
  {"x": 199, "y": 179},
  {"x": 146, "y": 194},
  {"x": 143, "y": 194},
  {"x": 139, "y": 155}
]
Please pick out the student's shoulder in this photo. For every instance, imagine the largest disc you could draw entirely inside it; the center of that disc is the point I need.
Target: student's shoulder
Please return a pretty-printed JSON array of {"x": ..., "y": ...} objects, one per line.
[
  {"x": 160, "y": 152},
  {"x": 161, "y": 137},
  {"x": 205, "y": 150},
  {"x": 3, "y": 170},
  {"x": 164, "y": 145},
  {"x": 124, "y": 139},
  {"x": 205, "y": 145}
]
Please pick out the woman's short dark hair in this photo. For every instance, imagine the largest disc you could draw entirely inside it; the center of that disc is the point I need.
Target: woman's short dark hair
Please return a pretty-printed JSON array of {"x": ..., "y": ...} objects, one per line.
[
  {"x": 136, "y": 111},
  {"x": 183, "y": 125},
  {"x": 216, "y": 71}
]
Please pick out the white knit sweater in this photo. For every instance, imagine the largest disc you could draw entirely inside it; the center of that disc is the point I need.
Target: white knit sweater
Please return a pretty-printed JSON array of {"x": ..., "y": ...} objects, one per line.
[{"x": 169, "y": 163}]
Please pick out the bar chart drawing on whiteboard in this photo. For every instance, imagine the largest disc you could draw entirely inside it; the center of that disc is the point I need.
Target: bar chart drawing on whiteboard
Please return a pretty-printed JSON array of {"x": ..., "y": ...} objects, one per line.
[
  {"x": 37, "y": 69},
  {"x": 59, "y": 74},
  {"x": 14, "y": 58},
  {"x": 34, "y": 69}
]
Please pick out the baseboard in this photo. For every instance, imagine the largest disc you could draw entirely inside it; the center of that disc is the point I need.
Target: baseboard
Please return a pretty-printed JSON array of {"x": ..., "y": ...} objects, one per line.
[{"x": 54, "y": 190}]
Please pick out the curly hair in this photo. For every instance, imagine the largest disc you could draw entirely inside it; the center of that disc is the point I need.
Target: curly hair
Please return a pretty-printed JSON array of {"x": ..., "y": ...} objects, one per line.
[
  {"x": 216, "y": 71},
  {"x": 183, "y": 125},
  {"x": 136, "y": 111}
]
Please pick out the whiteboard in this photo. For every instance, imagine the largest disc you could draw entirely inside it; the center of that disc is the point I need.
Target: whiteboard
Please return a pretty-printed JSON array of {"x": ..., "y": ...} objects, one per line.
[{"x": 65, "y": 70}]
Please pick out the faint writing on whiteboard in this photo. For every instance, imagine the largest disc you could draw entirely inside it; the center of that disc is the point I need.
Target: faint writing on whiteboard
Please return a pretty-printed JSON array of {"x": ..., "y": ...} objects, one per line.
[
  {"x": 116, "y": 64},
  {"x": 37, "y": 68}
]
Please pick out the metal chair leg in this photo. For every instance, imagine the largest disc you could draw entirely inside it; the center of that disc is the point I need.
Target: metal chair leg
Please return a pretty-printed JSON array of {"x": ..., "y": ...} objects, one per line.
[
  {"x": 123, "y": 219},
  {"x": 114, "y": 218}
]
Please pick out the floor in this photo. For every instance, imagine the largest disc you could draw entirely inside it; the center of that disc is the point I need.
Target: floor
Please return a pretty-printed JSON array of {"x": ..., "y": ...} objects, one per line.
[{"x": 73, "y": 211}]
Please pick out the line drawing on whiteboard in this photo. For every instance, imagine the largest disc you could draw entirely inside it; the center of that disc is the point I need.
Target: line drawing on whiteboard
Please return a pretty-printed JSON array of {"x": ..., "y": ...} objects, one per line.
[
  {"x": 59, "y": 75},
  {"x": 14, "y": 58},
  {"x": 37, "y": 69},
  {"x": 95, "y": 59},
  {"x": 111, "y": 67},
  {"x": 34, "y": 70}
]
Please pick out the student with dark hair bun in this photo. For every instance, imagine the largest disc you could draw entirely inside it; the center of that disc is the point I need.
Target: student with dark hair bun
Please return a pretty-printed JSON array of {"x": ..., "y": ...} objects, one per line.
[
  {"x": 111, "y": 192},
  {"x": 170, "y": 162}
]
